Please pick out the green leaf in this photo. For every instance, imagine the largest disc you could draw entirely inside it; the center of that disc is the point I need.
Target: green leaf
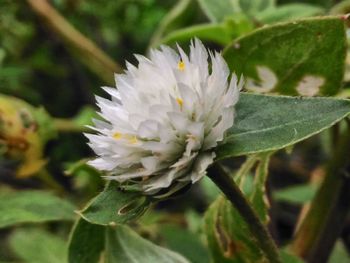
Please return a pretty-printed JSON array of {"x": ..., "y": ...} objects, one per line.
[
  {"x": 266, "y": 123},
  {"x": 339, "y": 254},
  {"x": 299, "y": 194},
  {"x": 174, "y": 18},
  {"x": 289, "y": 12},
  {"x": 256, "y": 6},
  {"x": 86, "y": 242},
  {"x": 38, "y": 246},
  {"x": 218, "y": 10},
  {"x": 124, "y": 245},
  {"x": 228, "y": 235},
  {"x": 287, "y": 257},
  {"x": 305, "y": 57},
  {"x": 258, "y": 197},
  {"x": 221, "y": 33},
  {"x": 214, "y": 32},
  {"x": 115, "y": 206},
  {"x": 33, "y": 207},
  {"x": 184, "y": 242}
]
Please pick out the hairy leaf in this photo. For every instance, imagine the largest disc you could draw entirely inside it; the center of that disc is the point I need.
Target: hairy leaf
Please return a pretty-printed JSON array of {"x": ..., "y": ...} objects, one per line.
[
  {"x": 305, "y": 57},
  {"x": 265, "y": 123}
]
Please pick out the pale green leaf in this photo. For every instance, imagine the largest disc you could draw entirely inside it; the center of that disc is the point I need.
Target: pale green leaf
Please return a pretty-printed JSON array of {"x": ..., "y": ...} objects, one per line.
[
  {"x": 266, "y": 123},
  {"x": 299, "y": 194},
  {"x": 124, "y": 245},
  {"x": 33, "y": 207},
  {"x": 221, "y": 33},
  {"x": 340, "y": 253},
  {"x": 174, "y": 18},
  {"x": 228, "y": 235},
  {"x": 258, "y": 197},
  {"x": 86, "y": 242},
  {"x": 114, "y": 205},
  {"x": 305, "y": 57},
  {"x": 289, "y": 12},
  {"x": 218, "y": 10},
  {"x": 38, "y": 246}
]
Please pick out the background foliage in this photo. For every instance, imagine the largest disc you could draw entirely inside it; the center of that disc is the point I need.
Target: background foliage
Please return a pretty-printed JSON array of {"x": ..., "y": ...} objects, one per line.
[{"x": 54, "y": 57}]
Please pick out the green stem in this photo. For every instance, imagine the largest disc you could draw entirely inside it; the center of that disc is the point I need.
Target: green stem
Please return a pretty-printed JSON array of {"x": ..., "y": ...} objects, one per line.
[
  {"x": 79, "y": 45},
  {"x": 237, "y": 198},
  {"x": 67, "y": 125},
  {"x": 323, "y": 223}
]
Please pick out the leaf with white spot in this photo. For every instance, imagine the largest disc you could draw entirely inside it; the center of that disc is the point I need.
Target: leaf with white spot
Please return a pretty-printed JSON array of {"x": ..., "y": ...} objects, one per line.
[{"x": 314, "y": 47}]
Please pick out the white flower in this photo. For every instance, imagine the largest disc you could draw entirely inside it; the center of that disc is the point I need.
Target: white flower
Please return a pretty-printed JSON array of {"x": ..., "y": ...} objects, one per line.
[{"x": 164, "y": 119}]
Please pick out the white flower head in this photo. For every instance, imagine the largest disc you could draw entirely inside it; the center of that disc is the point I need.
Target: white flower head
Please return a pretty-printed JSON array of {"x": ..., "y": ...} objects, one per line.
[{"x": 164, "y": 119}]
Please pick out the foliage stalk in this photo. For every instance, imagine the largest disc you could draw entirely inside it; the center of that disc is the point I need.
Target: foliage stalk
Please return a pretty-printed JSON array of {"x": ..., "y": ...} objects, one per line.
[{"x": 237, "y": 198}]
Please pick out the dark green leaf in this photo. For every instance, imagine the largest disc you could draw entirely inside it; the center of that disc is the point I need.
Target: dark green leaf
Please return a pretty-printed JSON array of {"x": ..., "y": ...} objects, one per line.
[
  {"x": 124, "y": 245},
  {"x": 86, "y": 243},
  {"x": 303, "y": 57},
  {"x": 265, "y": 123},
  {"x": 115, "y": 206},
  {"x": 38, "y": 246},
  {"x": 33, "y": 207}
]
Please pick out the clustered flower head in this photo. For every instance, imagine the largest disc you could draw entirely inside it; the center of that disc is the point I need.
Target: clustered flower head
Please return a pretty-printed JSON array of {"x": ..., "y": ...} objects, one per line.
[{"x": 164, "y": 119}]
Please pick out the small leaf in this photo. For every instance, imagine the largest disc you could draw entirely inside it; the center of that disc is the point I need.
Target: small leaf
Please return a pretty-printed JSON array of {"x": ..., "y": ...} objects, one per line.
[
  {"x": 33, "y": 207},
  {"x": 115, "y": 206},
  {"x": 289, "y": 258},
  {"x": 86, "y": 242},
  {"x": 340, "y": 253},
  {"x": 218, "y": 10},
  {"x": 299, "y": 194},
  {"x": 293, "y": 56},
  {"x": 286, "y": 121},
  {"x": 124, "y": 245},
  {"x": 174, "y": 19},
  {"x": 228, "y": 235},
  {"x": 258, "y": 197},
  {"x": 38, "y": 246}
]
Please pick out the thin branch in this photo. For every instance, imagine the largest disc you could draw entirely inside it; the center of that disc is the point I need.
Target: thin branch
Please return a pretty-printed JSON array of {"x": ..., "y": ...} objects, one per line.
[
  {"x": 85, "y": 50},
  {"x": 236, "y": 197}
]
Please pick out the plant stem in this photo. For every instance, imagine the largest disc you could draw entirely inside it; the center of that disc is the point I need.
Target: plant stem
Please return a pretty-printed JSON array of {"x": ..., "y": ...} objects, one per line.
[
  {"x": 67, "y": 125},
  {"x": 83, "y": 48},
  {"x": 323, "y": 223},
  {"x": 237, "y": 198}
]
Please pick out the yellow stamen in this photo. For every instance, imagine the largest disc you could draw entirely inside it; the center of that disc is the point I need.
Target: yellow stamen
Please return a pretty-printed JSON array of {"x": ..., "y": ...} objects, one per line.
[
  {"x": 131, "y": 139},
  {"x": 117, "y": 135},
  {"x": 181, "y": 65},
  {"x": 180, "y": 102}
]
